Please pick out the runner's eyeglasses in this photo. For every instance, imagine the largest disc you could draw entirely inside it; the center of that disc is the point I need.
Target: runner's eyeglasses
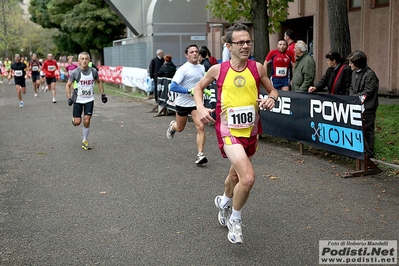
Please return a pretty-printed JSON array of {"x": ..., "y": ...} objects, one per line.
[{"x": 241, "y": 43}]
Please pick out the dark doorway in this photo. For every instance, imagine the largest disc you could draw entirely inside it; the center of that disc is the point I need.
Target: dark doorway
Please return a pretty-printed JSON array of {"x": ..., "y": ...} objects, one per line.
[{"x": 302, "y": 28}]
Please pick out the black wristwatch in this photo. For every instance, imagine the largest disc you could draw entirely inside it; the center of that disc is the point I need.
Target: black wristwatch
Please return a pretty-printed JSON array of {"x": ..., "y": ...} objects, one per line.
[{"x": 274, "y": 98}]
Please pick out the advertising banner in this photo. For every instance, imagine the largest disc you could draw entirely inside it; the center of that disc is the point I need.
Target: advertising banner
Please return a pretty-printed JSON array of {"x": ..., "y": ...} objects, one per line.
[
  {"x": 110, "y": 74},
  {"x": 134, "y": 77},
  {"x": 328, "y": 122},
  {"x": 168, "y": 98}
]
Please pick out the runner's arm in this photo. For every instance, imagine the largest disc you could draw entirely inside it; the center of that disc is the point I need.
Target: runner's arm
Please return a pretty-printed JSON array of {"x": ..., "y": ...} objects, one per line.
[
  {"x": 177, "y": 88},
  {"x": 100, "y": 86},
  {"x": 68, "y": 89},
  {"x": 266, "y": 103},
  {"x": 210, "y": 76}
]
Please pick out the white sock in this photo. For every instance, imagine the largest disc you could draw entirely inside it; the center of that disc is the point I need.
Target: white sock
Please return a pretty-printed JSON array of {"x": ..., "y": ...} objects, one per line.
[
  {"x": 235, "y": 215},
  {"x": 86, "y": 131},
  {"x": 225, "y": 200}
]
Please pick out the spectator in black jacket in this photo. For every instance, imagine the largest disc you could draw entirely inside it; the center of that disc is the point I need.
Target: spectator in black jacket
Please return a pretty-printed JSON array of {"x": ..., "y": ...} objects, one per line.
[
  {"x": 168, "y": 69},
  {"x": 365, "y": 84},
  {"x": 203, "y": 59},
  {"x": 154, "y": 67},
  {"x": 337, "y": 78}
]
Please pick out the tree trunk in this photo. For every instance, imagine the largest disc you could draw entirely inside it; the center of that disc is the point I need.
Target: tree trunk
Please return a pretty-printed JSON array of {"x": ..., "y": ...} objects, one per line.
[
  {"x": 340, "y": 40},
  {"x": 261, "y": 33}
]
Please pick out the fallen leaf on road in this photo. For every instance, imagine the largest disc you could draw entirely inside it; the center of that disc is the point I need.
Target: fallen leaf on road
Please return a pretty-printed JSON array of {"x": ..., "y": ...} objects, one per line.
[
  {"x": 103, "y": 192},
  {"x": 273, "y": 177}
]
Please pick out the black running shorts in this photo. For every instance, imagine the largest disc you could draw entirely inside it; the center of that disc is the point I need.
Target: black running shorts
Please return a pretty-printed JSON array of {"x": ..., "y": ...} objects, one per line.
[
  {"x": 184, "y": 111},
  {"x": 86, "y": 107},
  {"x": 20, "y": 82},
  {"x": 50, "y": 80},
  {"x": 35, "y": 77}
]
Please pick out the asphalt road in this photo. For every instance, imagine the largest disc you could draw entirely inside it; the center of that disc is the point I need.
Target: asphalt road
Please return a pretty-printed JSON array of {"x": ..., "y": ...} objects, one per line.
[{"x": 137, "y": 198}]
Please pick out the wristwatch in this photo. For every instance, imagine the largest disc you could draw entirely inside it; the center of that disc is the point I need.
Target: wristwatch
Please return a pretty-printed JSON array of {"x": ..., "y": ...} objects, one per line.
[{"x": 274, "y": 98}]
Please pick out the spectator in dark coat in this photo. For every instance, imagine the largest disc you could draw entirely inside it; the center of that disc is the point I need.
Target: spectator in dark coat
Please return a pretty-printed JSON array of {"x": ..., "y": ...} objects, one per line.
[
  {"x": 154, "y": 67},
  {"x": 365, "y": 84},
  {"x": 168, "y": 69},
  {"x": 337, "y": 78},
  {"x": 212, "y": 59},
  {"x": 204, "y": 59}
]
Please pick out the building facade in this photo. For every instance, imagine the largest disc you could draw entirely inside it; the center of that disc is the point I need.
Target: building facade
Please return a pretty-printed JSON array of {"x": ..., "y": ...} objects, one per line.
[
  {"x": 374, "y": 26},
  {"x": 169, "y": 25}
]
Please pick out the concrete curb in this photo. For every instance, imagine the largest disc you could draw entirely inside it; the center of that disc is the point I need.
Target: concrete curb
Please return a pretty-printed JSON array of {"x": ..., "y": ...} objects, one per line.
[{"x": 394, "y": 166}]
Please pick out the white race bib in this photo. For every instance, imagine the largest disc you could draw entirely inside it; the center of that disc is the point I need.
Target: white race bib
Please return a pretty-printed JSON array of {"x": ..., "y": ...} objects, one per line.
[
  {"x": 51, "y": 68},
  {"x": 35, "y": 68},
  {"x": 241, "y": 117},
  {"x": 281, "y": 71},
  {"x": 18, "y": 73},
  {"x": 85, "y": 93}
]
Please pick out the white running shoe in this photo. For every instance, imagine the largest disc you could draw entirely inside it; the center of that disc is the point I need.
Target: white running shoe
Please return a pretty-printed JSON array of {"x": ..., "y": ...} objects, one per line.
[
  {"x": 235, "y": 232},
  {"x": 35, "y": 95},
  {"x": 21, "y": 104},
  {"x": 224, "y": 211},
  {"x": 1, "y": 81},
  {"x": 201, "y": 159},
  {"x": 54, "y": 100},
  {"x": 170, "y": 132},
  {"x": 9, "y": 83}
]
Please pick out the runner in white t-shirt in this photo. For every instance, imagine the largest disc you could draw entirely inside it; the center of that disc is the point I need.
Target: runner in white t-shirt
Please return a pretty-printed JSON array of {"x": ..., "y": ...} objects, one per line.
[
  {"x": 183, "y": 82},
  {"x": 82, "y": 82}
]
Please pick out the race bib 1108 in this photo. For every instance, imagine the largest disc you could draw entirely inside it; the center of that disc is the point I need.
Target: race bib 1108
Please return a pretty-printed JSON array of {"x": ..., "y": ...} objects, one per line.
[{"x": 241, "y": 117}]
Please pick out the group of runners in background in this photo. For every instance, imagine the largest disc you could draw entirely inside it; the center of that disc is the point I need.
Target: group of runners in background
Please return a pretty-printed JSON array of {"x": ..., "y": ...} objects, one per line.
[{"x": 43, "y": 75}]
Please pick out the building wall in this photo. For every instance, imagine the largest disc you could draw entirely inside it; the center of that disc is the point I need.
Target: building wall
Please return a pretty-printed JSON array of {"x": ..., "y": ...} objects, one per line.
[
  {"x": 372, "y": 30},
  {"x": 169, "y": 25}
]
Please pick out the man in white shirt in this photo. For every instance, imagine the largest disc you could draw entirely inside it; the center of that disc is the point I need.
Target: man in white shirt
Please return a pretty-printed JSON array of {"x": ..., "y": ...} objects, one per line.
[
  {"x": 183, "y": 82},
  {"x": 225, "y": 53}
]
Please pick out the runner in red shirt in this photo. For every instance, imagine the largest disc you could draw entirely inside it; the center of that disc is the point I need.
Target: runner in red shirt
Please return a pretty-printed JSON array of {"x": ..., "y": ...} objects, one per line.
[
  {"x": 49, "y": 68},
  {"x": 289, "y": 38},
  {"x": 282, "y": 61}
]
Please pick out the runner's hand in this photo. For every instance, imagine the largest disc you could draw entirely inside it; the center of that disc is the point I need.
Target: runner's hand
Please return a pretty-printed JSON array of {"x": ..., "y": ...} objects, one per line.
[
  {"x": 104, "y": 98},
  {"x": 70, "y": 101}
]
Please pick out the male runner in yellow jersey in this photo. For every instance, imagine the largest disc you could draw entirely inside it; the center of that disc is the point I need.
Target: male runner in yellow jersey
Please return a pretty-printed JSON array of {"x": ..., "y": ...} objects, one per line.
[{"x": 237, "y": 121}]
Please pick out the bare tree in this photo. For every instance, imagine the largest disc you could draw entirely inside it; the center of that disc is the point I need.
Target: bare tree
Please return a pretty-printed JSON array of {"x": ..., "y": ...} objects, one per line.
[
  {"x": 265, "y": 15},
  {"x": 261, "y": 20},
  {"x": 340, "y": 40}
]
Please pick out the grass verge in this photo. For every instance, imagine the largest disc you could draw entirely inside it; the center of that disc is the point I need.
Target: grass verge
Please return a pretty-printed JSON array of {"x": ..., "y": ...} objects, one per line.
[
  {"x": 111, "y": 89},
  {"x": 386, "y": 143}
]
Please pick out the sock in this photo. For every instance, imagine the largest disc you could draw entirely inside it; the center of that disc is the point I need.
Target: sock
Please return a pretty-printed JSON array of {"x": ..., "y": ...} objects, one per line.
[
  {"x": 235, "y": 215},
  {"x": 225, "y": 200},
  {"x": 86, "y": 131}
]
